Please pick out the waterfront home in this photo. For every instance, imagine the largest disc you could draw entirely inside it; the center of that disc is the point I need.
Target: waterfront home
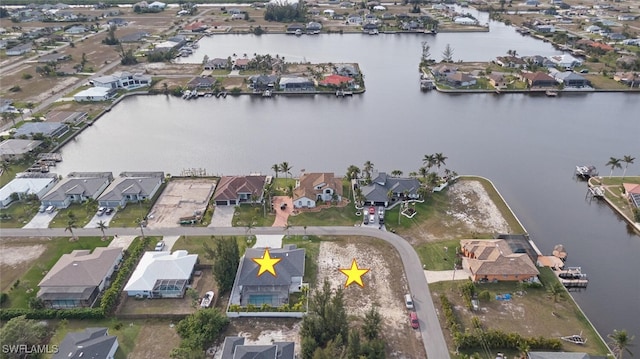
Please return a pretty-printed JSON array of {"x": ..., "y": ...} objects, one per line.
[
  {"x": 234, "y": 190},
  {"x": 122, "y": 80},
  {"x": 565, "y": 61},
  {"x": 511, "y": 62},
  {"x": 201, "y": 83},
  {"x": 463, "y": 20},
  {"x": 497, "y": 80},
  {"x": 539, "y": 80},
  {"x": 19, "y": 50},
  {"x": 26, "y": 184},
  {"x": 250, "y": 288},
  {"x": 632, "y": 191},
  {"x": 346, "y": 70},
  {"x": 582, "y": 44},
  {"x": 90, "y": 343},
  {"x": 234, "y": 348},
  {"x": 77, "y": 278},
  {"x": 51, "y": 130},
  {"x": 263, "y": 82},
  {"x": 460, "y": 79},
  {"x": 630, "y": 79},
  {"x": 15, "y": 149},
  {"x": 545, "y": 29},
  {"x": 314, "y": 187},
  {"x": 370, "y": 28},
  {"x": 354, "y": 20},
  {"x": 384, "y": 189},
  {"x": 162, "y": 275},
  {"x": 295, "y": 29},
  {"x": 77, "y": 188},
  {"x": 337, "y": 81},
  {"x": 442, "y": 70},
  {"x": 95, "y": 94},
  {"x": 216, "y": 64},
  {"x": 296, "y": 83},
  {"x": 68, "y": 117},
  {"x": 197, "y": 26},
  {"x": 538, "y": 60},
  {"x": 570, "y": 79},
  {"x": 240, "y": 64},
  {"x": 314, "y": 27},
  {"x": 494, "y": 260},
  {"x": 131, "y": 187}
]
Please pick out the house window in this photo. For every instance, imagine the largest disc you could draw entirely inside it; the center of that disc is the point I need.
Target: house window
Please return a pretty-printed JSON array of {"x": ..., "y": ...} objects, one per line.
[
  {"x": 327, "y": 191},
  {"x": 308, "y": 203}
]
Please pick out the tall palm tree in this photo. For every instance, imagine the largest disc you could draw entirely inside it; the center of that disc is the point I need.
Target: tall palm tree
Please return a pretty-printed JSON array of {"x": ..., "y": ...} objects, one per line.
[
  {"x": 102, "y": 226},
  {"x": 423, "y": 171},
  {"x": 429, "y": 161},
  {"x": 555, "y": 291},
  {"x": 71, "y": 224},
  {"x": 368, "y": 167},
  {"x": 352, "y": 172},
  {"x": 440, "y": 160},
  {"x": 285, "y": 168},
  {"x": 140, "y": 222},
  {"x": 627, "y": 161},
  {"x": 621, "y": 341},
  {"x": 290, "y": 190},
  {"x": 613, "y": 163},
  {"x": 276, "y": 169},
  {"x": 396, "y": 173}
]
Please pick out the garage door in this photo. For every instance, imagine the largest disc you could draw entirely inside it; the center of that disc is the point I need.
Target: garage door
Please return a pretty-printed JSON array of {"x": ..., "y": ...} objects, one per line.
[{"x": 221, "y": 203}]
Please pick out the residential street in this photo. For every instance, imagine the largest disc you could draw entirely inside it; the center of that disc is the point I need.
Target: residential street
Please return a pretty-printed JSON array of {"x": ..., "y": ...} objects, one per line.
[{"x": 432, "y": 335}]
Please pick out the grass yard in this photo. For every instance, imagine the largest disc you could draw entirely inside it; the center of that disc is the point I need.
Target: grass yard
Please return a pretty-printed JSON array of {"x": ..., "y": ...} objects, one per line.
[
  {"x": 9, "y": 173},
  {"x": 255, "y": 214},
  {"x": 195, "y": 244},
  {"x": 532, "y": 314},
  {"x": 280, "y": 185},
  {"x": 312, "y": 249},
  {"x": 82, "y": 212},
  {"x": 27, "y": 286},
  {"x": 434, "y": 256},
  {"x": 604, "y": 82},
  {"x": 333, "y": 216},
  {"x": 18, "y": 214},
  {"x": 131, "y": 214}
]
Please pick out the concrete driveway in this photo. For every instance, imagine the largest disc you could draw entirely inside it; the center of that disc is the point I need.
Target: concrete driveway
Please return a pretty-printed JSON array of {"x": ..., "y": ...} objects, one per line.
[
  {"x": 282, "y": 215},
  {"x": 222, "y": 216},
  {"x": 93, "y": 223},
  {"x": 41, "y": 220}
]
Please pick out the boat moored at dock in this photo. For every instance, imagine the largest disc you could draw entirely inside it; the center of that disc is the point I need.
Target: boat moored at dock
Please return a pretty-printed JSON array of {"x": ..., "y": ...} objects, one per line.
[{"x": 586, "y": 172}]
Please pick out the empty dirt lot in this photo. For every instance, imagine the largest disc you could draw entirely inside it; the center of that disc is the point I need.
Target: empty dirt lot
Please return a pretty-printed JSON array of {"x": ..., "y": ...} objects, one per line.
[{"x": 181, "y": 198}]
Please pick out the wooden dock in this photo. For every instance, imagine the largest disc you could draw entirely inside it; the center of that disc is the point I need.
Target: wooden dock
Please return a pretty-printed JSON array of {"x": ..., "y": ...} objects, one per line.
[
  {"x": 49, "y": 156},
  {"x": 572, "y": 278}
]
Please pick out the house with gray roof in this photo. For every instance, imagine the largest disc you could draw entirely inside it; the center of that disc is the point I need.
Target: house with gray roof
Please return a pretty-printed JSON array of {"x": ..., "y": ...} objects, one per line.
[
  {"x": 263, "y": 82},
  {"x": 234, "y": 348},
  {"x": 19, "y": 50},
  {"x": 77, "y": 188},
  {"x": 122, "y": 79},
  {"x": 16, "y": 148},
  {"x": 135, "y": 37},
  {"x": 296, "y": 83},
  {"x": 201, "y": 83},
  {"x": 377, "y": 192},
  {"x": 77, "y": 278},
  {"x": 346, "y": 70},
  {"x": 53, "y": 130},
  {"x": 561, "y": 355},
  {"x": 571, "y": 79},
  {"x": 216, "y": 64},
  {"x": 249, "y": 288},
  {"x": 131, "y": 187},
  {"x": 90, "y": 343}
]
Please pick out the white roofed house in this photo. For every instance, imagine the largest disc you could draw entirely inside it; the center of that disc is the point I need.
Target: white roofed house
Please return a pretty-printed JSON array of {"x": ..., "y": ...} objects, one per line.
[
  {"x": 162, "y": 275},
  {"x": 122, "y": 80},
  {"x": 16, "y": 148},
  {"x": 26, "y": 184},
  {"x": 77, "y": 188},
  {"x": 131, "y": 187},
  {"x": 565, "y": 61},
  {"x": 95, "y": 94}
]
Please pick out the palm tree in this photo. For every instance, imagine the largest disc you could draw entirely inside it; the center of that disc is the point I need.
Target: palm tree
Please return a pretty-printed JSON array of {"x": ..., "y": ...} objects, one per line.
[
  {"x": 276, "y": 169},
  {"x": 429, "y": 161},
  {"x": 352, "y": 172},
  {"x": 71, "y": 224},
  {"x": 368, "y": 167},
  {"x": 627, "y": 160},
  {"x": 102, "y": 226},
  {"x": 555, "y": 291},
  {"x": 396, "y": 173},
  {"x": 620, "y": 341},
  {"x": 290, "y": 190},
  {"x": 423, "y": 171},
  {"x": 613, "y": 163},
  {"x": 141, "y": 223},
  {"x": 285, "y": 168},
  {"x": 440, "y": 160}
]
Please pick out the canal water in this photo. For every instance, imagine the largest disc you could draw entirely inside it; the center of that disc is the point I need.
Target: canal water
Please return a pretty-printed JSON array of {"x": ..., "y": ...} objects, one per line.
[{"x": 527, "y": 145}]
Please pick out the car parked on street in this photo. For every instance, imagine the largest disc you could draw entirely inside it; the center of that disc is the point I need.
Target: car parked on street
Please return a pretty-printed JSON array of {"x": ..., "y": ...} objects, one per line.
[{"x": 413, "y": 318}]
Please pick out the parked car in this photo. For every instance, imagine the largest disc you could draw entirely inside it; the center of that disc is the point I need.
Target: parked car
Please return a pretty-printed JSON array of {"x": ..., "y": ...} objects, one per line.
[
  {"x": 408, "y": 301},
  {"x": 42, "y": 208},
  {"x": 109, "y": 211},
  {"x": 372, "y": 210},
  {"x": 101, "y": 211},
  {"x": 366, "y": 219},
  {"x": 381, "y": 212},
  {"x": 372, "y": 218},
  {"x": 159, "y": 246},
  {"x": 50, "y": 209},
  {"x": 413, "y": 319}
]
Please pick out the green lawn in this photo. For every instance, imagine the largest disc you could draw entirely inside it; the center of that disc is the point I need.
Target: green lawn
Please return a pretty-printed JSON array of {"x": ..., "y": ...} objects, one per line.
[
  {"x": 20, "y": 213},
  {"x": 131, "y": 214},
  {"x": 14, "y": 167},
  {"x": 255, "y": 214},
  {"x": 434, "y": 256},
  {"x": 312, "y": 249},
  {"x": 280, "y": 185},
  {"x": 194, "y": 244},
  {"x": 83, "y": 212},
  {"x": 28, "y": 285},
  {"x": 333, "y": 216},
  {"x": 619, "y": 180},
  {"x": 436, "y": 203}
]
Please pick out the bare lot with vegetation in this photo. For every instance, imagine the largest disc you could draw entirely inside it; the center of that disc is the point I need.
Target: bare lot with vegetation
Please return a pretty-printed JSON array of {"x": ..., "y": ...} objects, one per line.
[{"x": 181, "y": 198}]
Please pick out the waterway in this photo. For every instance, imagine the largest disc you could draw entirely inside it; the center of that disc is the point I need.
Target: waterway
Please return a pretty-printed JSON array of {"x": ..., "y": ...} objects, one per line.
[{"x": 528, "y": 145}]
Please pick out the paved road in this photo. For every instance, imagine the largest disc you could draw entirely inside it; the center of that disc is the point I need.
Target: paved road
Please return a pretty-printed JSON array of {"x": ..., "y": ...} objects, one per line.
[{"x": 432, "y": 336}]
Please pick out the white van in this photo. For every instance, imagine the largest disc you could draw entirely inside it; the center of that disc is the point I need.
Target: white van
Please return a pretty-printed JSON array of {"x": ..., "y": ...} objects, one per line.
[{"x": 408, "y": 301}]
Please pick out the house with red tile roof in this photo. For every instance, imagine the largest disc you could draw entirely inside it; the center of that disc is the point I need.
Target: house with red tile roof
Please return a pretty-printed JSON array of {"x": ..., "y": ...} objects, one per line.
[
  {"x": 234, "y": 190},
  {"x": 337, "y": 81},
  {"x": 314, "y": 187},
  {"x": 197, "y": 26},
  {"x": 632, "y": 190},
  {"x": 494, "y": 260},
  {"x": 241, "y": 64}
]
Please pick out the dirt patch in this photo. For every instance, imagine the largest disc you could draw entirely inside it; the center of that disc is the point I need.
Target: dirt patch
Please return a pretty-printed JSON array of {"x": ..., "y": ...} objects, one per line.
[
  {"x": 385, "y": 285},
  {"x": 155, "y": 340},
  {"x": 472, "y": 206},
  {"x": 15, "y": 261},
  {"x": 181, "y": 198}
]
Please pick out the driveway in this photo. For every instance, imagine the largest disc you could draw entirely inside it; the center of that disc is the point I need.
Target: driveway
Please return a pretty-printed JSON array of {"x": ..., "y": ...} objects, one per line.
[
  {"x": 445, "y": 275},
  {"x": 268, "y": 241},
  {"x": 106, "y": 218},
  {"x": 282, "y": 215},
  {"x": 169, "y": 241},
  {"x": 222, "y": 216},
  {"x": 41, "y": 220}
]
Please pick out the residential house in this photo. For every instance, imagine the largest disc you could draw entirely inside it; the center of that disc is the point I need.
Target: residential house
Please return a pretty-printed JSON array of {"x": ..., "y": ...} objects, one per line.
[
  {"x": 295, "y": 29},
  {"x": 95, "y": 94},
  {"x": 442, "y": 70},
  {"x": 630, "y": 79},
  {"x": 234, "y": 348},
  {"x": 76, "y": 30},
  {"x": 89, "y": 343},
  {"x": 77, "y": 188},
  {"x": 460, "y": 79},
  {"x": 370, "y": 18},
  {"x": 19, "y": 50},
  {"x": 346, "y": 70},
  {"x": 14, "y": 149},
  {"x": 497, "y": 80},
  {"x": 561, "y": 355},
  {"x": 234, "y": 190},
  {"x": 157, "y": 5},
  {"x": 369, "y": 27},
  {"x": 249, "y": 288},
  {"x": 135, "y": 37},
  {"x": 58, "y": 57},
  {"x": 201, "y": 83},
  {"x": 632, "y": 191},
  {"x": 616, "y": 36},
  {"x": 77, "y": 278},
  {"x": 68, "y": 117},
  {"x": 538, "y": 60},
  {"x": 296, "y": 83},
  {"x": 314, "y": 27},
  {"x": 571, "y": 79},
  {"x": 6, "y": 105},
  {"x": 216, "y": 64},
  {"x": 594, "y": 44},
  {"x": 511, "y": 62},
  {"x": 117, "y": 21},
  {"x": 328, "y": 12},
  {"x": 463, "y": 20},
  {"x": 241, "y": 64},
  {"x": 26, "y": 184},
  {"x": 122, "y": 80},
  {"x": 627, "y": 17},
  {"x": 162, "y": 275},
  {"x": 354, "y": 20},
  {"x": 338, "y": 81},
  {"x": 314, "y": 187},
  {"x": 539, "y": 80},
  {"x": 197, "y": 26},
  {"x": 545, "y": 29},
  {"x": 52, "y": 130},
  {"x": 131, "y": 187},
  {"x": 384, "y": 189},
  {"x": 494, "y": 260},
  {"x": 565, "y": 61},
  {"x": 263, "y": 82},
  {"x": 594, "y": 29}
]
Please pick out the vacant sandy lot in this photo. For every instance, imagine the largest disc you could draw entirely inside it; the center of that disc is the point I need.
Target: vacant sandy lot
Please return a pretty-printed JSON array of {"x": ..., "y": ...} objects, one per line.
[
  {"x": 473, "y": 207},
  {"x": 15, "y": 261},
  {"x": 181, "y": 198}
]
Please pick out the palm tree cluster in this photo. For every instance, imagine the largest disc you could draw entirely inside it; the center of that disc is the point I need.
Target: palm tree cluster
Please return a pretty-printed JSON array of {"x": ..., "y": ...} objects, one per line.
[
  {"x": 617, "y": 163},
  {"x": 283, "y": 167}
]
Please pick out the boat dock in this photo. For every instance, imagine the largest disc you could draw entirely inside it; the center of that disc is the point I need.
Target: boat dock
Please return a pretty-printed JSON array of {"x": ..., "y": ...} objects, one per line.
[
  {"x": 572, "y": 278},
  {"x": 55, "y": 157},
  {"x": 341, "y": 93},
  {"x": 595, "y": 192},
  {"x": 586, "y": 172}
]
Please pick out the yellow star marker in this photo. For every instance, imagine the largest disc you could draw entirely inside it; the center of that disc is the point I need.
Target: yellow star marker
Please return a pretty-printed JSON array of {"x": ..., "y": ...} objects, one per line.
[
  {"x": 266, "y": 263},
  {"x": 354, "y": 274}
]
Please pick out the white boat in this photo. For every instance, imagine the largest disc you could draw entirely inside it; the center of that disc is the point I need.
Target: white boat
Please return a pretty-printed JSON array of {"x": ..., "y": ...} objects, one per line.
[
  {"x": 298, "y": 32},
  {"x": 266, "y": 93},
  {"x": 207, "y": 300},
  {"x": 551, "y": 93},
  {"x": 575, "y": 339}
]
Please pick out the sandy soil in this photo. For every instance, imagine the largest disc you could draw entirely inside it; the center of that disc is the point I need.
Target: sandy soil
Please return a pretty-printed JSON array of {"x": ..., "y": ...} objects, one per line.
[
  {"x": 15, "y": 261},
  {"x": 483, "y": 216},
  {"x": 181, "y": 198}
]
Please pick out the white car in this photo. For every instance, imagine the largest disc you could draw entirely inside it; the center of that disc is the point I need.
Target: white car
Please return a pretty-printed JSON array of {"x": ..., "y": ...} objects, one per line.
[
  {"x": 159, "y": 246},
  {"x": 101, "y": 211}
]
